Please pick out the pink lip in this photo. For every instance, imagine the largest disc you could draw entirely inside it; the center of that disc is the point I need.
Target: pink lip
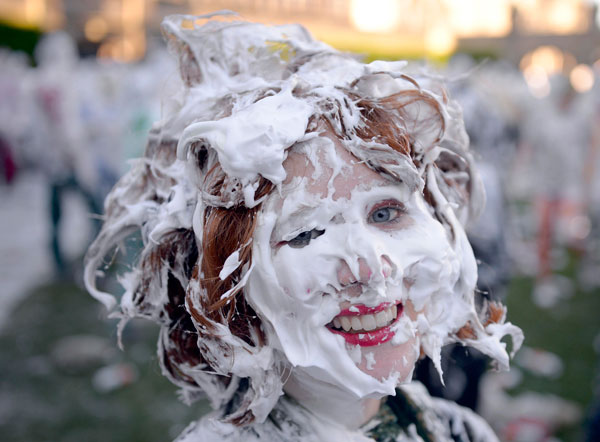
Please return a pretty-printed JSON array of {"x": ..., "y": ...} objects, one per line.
[{"x": 373, "y": 337}]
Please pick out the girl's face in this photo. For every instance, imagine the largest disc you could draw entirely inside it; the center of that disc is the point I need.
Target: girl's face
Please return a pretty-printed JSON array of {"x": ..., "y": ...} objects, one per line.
[{"x": 345, "y": 262}]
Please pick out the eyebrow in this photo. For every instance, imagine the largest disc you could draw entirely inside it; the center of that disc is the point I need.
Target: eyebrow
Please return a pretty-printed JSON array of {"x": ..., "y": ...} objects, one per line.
[{"x": 294, "y": 219}]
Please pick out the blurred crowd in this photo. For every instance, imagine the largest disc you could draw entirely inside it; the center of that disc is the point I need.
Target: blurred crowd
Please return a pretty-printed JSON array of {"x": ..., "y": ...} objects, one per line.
[
  {"x": 540, "y": 162},
  {"x": 539, "y": 158},
  {"x": 75, "y": 123}
]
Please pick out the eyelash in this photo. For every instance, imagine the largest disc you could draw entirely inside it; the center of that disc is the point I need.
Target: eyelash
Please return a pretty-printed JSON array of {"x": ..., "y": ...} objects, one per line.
[
  {"x": 394, "y": 213},
  {"x": 304, "y": 238},
  {"x": 397, "y": 210}
]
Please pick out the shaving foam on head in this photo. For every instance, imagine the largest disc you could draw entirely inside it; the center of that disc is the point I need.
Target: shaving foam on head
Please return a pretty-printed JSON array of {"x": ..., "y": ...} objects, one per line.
[
  {"x": 248, "y": 94},
  {"x": 248, "y": 145}
]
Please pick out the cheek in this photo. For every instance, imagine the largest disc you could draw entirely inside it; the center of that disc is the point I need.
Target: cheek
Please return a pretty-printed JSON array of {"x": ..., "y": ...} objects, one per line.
[
  {"x": 303, "y": 273},
  {"x": 424, "y": 242},
  {"x": 303, "y": 279}
]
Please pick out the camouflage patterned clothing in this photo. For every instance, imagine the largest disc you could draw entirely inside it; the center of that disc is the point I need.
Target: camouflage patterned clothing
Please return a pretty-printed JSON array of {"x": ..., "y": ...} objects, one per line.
[{"x": 413, "y": 415}]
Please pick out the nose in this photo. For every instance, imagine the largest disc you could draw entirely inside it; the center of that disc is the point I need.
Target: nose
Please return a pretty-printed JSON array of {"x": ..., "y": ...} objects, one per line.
[
  {"x": 346, "y": 277},
  {"x": 365, "y": 273}
]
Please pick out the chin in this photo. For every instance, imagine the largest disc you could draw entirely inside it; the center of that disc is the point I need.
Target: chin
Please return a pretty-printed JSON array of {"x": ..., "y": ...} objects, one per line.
[{"x": 388, "y": 359}]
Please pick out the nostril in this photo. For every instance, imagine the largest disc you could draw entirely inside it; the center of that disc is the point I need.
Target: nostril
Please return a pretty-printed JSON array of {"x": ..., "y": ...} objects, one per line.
[
  {"x": 387, "y": 269},
  {"x": 364, "y": 271},
  {"x": 345, "y": 275}
]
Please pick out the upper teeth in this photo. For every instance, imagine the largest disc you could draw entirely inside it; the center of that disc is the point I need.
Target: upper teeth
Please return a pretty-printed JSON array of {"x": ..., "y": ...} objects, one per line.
[{"x": 366, "y": 322}]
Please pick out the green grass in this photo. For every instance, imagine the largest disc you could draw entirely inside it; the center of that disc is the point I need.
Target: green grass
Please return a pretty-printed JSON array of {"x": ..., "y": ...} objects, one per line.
[
  {"x": 42, "y": 399},
  {"x": 568, "y": 330}
]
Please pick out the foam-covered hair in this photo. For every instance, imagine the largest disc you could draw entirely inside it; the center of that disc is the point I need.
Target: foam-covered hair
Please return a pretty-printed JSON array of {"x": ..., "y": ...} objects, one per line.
[{"x": 248, "y": 94}]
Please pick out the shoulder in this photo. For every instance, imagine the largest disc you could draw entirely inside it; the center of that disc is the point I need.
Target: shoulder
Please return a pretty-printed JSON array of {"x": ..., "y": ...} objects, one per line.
[
  {"x": 287, "y": 422},
  {"x": 211, "y": 428},
  {"x": 441, "y": 419},
  {"x": 278, "y": 427}
]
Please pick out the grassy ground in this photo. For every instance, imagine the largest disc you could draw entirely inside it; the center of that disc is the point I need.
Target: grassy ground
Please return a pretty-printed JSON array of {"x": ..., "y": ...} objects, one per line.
[
  {"x": 48, "y": 394},
  {"x": 568, "y": 330}
]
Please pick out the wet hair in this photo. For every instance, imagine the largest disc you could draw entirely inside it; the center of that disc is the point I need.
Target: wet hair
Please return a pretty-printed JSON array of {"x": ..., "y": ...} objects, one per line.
[{"x": 205, "y": 321}]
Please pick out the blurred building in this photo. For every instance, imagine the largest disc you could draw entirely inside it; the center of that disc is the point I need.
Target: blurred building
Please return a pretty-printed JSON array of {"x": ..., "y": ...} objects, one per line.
[
  {"x": 573, "y": 30},
  {"x": 550, "y": 35}
]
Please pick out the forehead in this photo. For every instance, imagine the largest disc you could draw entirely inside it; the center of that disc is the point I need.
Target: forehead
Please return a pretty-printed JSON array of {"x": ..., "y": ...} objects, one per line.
[{"x": 326, "y": 168}]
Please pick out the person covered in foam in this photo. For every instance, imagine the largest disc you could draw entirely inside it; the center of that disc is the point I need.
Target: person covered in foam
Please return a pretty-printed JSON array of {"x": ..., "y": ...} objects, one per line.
[{"x": 302, "y": 221}]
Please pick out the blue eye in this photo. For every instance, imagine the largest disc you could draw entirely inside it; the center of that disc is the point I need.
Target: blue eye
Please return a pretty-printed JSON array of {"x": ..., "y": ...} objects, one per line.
[
  {"x": 303, "y": 239},
  {"x": 385, "y": 215},
  {"x": 381, "y": 215}
]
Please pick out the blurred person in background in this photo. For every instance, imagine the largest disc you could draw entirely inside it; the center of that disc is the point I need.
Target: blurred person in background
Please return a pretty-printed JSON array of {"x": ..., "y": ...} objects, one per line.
[
  {"x": 559, "y": 136},
  {"x": 589, "y": 277},
  {"x": 14, "y": 112},
  {"x": 60, "y": 143},
  {"x": 8, "y": 166}
]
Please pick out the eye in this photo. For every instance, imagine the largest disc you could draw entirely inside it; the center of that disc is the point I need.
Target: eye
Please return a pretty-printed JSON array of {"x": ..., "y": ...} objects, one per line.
[
  {"x": 385, "y": 214},
  {"x": 303, "y": 239}
]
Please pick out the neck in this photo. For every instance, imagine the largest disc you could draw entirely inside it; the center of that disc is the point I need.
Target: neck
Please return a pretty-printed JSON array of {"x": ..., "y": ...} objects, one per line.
[{"x": 327, "y": 401}]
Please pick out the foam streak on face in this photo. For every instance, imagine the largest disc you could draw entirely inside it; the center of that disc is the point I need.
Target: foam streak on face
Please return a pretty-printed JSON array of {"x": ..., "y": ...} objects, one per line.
[{"x": 340, "y": 242}]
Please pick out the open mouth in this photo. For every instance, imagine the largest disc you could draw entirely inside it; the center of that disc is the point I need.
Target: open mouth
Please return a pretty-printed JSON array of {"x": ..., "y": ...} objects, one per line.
[{"x": 366, "y": 326}]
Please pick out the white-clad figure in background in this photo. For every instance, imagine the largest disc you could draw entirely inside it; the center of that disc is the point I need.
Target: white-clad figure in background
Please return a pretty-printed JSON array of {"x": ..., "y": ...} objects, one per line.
[
  {"x": 559, "y": 136},
  {"x": 61, "y": 147}
]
